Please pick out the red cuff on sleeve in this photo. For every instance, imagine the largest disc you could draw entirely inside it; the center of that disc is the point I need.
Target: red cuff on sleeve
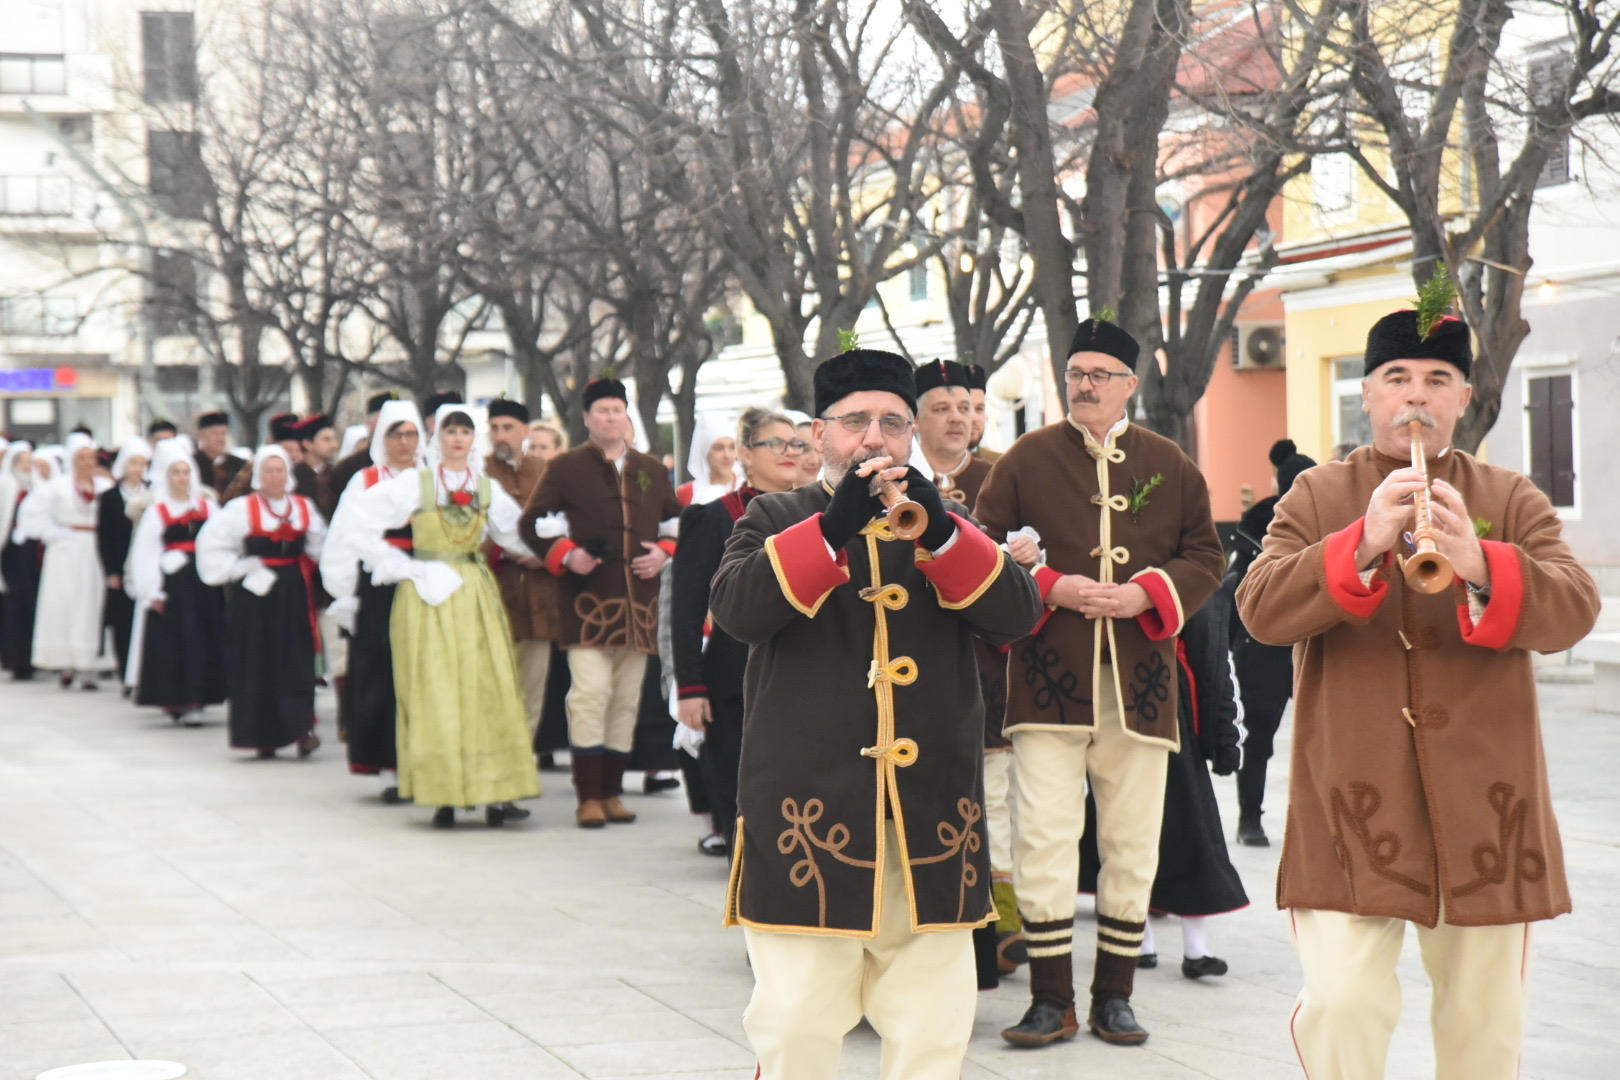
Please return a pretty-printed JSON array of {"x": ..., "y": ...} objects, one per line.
[
  {"x": 668, "y": 545},
  {"x": 1164, "y": 619},
  {"x": 805, "y": 570},
  {"x": 1046, "y": 577},
  {"x": 966, "y": 569},
  {"x": 1344, "y": 578},
  {"x": 1506, "y": 604},
  {"x": 691, "y": 692},
  {"x": 559, "y": 551}
]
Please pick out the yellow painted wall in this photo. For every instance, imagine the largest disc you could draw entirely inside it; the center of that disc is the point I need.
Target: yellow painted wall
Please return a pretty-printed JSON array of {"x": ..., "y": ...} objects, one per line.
[{"x": 1316, "y": 338}]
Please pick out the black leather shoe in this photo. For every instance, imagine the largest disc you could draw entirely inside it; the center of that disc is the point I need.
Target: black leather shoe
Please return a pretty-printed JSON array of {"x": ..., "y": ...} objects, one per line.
[
  {"x": 1250, "y": 833},
  {"x": 1044, "y": 1023},
  {"x": 1147, "y": 960},
  {"x": 652, "y": 785},
  {"x": 1012, "y": 951},
  {"x": 510, "y": 811},
  {"x": 1198, "y": 966},
  {"x": 444, "y": 817},
  {"x": 390, "y": 796},
  {"x": 1112, "y": 1021}
]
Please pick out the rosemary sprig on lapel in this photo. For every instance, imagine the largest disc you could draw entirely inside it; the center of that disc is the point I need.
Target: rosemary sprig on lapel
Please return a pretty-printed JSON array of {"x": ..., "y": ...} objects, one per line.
[
  {"x": 1140, "y": 490},
  {"x": 643, "y": 481},
  {"x": 1482, "y": 527}
]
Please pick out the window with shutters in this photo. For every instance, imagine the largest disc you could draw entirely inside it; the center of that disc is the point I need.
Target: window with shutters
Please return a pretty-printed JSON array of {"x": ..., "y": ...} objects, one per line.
[
  {"x": 169, "y": 55},
  {"x": 176, "y": 175},
  {"x": 1545, "y": 76},
  {"x": 172, "y": 297},
  {"x": 1550, "y": 427}
]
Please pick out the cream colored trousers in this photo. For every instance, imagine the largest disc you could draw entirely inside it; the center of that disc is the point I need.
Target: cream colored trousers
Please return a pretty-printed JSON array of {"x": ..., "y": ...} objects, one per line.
[
  {"x": 998, "y": 820},
  {"x": 534, "y": 665},
  {"x": 604, "y": 697},
  {"x": 917, "y": 990},
  {"x": 1346, "y": 1013},
  {"x": 1049, "y": 802}
]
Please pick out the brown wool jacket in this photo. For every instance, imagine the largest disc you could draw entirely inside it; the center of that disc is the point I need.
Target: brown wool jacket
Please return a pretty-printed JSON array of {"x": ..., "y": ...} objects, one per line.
[
  {"x": 533, "y": 597},
  {"x": 611, "y": 514},
  {"x": 1077, "y": 495},
  {"x": 861, "y": 704},
  {"x": 1418, "y": 783}
]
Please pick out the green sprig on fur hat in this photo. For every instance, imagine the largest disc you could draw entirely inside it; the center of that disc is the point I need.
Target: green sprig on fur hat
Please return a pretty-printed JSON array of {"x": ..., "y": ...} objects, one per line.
[
  {"x": 1435, "y": 300},
  {"x": 848, "y": 341}
]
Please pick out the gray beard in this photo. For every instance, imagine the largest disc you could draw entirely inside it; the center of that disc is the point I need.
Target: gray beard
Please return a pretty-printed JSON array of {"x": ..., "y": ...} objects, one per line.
[{"x": 503, "y": 454}]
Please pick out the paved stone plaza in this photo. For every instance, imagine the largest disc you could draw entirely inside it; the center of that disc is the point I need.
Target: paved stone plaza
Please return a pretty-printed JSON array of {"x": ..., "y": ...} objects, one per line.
[{"x": 162, "y": 897}]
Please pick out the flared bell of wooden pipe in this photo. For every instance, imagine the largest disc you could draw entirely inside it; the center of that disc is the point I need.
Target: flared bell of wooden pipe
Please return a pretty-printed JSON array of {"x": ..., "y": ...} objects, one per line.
[{"x": 907, "y": 520}]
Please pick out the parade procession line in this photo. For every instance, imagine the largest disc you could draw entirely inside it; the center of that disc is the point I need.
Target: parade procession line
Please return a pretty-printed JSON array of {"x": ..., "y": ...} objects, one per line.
[{"x": 163, "y": 897}]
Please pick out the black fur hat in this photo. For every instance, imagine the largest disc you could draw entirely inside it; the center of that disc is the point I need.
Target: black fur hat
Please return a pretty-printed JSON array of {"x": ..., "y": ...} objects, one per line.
[
  {"x": 375, "y": 402},
  {"x": 507, "y": 407},
  {"x": 864, "y": 369},
  {"x": 284, "y": 427},
  {"x": 942, "y": 373},
  {"x": 977, "y": 379},
  {"x": 1100, "y": 335},
  {"x": 431, "y": 403},
  {"x": 1396, "y": 337},
  {"x": 606, "y": 387},
  {"x": 213, "y": 419}
]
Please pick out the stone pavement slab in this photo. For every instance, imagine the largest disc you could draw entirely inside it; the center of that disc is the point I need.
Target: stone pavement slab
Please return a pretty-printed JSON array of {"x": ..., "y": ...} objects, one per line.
[{"x": 162, "y": 896}]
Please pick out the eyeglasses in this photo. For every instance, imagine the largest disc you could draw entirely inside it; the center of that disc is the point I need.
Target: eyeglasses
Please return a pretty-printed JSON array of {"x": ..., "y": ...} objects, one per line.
[
  {"x": 791, "y": 448},
  {"x": 1098, "y": 378},
  {"x": 858, "y": 422}
]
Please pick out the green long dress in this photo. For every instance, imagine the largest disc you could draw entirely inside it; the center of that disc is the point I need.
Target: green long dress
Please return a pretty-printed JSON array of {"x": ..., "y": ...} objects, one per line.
[{"x": 462, "y": 734}]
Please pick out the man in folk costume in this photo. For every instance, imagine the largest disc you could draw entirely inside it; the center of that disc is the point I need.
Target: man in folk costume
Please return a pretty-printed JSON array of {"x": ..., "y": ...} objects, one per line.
[
  {"x": 318, "y": 444},
  {"x": 528, "y": 589},
  {"x": 604, "y": 518},
  {"x": 945, "y": 433},
  {"x": 215, "y": 464},
  {"x": 860, "y": 865},
  {"x": 265, "y": 543},
  {"x": 1130, "y": 552},
  {"x": 977, "y": 383},
  {"x": 1419, "y": 791}
]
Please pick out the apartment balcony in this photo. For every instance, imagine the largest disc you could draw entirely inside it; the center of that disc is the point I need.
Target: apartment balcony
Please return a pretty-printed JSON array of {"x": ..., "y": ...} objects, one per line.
[{"x": 74, "y": 85}]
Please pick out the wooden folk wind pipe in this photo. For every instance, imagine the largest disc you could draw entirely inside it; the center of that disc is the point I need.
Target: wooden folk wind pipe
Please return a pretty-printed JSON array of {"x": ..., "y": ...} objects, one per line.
[{"x": 907, "y": 520}]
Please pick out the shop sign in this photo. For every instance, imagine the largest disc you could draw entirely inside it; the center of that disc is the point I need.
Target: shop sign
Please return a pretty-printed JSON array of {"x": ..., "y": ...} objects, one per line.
[{"x": 38, "y": 380}]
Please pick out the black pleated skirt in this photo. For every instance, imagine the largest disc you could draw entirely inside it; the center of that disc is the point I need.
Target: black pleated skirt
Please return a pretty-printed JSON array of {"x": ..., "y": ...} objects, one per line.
[
  {"x": 369, "y": 707},
  {"x": 183, "y": 646},
  {"x": 271, "y": 650}
]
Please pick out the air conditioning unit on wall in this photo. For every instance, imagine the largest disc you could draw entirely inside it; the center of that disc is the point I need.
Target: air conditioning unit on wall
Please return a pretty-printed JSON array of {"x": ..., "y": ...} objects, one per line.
[{"x": 1260, "y": 348}]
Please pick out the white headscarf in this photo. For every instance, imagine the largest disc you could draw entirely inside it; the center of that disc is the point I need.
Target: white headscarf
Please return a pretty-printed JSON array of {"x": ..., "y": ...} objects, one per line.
[
  {"x": 76, "y": 441},
  {"x": 394, "y": 412},
  {"x": 9, "y": 462},
  {"x": 165, "y": 457},
  {"x": 475, "y": 460},
  {"x": 266, "y": 452},
  {"x": 709, "y": 429},
  {"x": 353, "y": 435},
  {"x": 132, "y": 448}
]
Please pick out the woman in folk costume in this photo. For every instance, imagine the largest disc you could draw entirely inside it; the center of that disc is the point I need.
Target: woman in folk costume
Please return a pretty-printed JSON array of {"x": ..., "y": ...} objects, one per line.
[
  {"x": 712, "y": 460},
  {"x": 365, "y": 607},
  {"x": 122, "y": 506},
  {"x": 19, "y": 564},
  {"x": 178, "y": 663},
  {"x": 709, "y": 670},
  {"x": 266, "y": 541},
  {"x": 463, "y": 739},
  {"x": 62, "y": 515}
]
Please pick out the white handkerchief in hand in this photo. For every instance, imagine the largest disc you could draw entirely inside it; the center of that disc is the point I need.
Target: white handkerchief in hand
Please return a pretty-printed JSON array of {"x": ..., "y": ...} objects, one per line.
[
  {"x": 343, "y": 612},
  {"x": 437, "y": 582},
  {"x": 171, "y": 562},
  {"x": 260, "y": 581},
  {"x": 689, "y": 739}
]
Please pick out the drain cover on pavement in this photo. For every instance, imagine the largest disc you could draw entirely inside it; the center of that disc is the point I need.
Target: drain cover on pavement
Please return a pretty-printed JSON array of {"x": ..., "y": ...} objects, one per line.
[{"x": 117, "y": 1070}]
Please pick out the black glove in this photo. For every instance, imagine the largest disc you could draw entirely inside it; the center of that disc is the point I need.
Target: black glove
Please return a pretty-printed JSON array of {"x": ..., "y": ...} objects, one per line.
[
  {"x": 1227, "y": 760},
  {"x": 941, "y": 526},
  {"x": 852, "y": 506}
]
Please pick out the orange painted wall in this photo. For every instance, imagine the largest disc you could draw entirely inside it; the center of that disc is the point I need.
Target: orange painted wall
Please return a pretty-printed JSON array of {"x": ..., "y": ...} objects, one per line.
[{"x": 1240, "y": 415}]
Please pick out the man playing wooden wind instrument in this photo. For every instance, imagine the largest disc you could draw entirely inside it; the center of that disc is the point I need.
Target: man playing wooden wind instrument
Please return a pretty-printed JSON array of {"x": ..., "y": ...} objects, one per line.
[{"x": 1419, "y": 789}]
